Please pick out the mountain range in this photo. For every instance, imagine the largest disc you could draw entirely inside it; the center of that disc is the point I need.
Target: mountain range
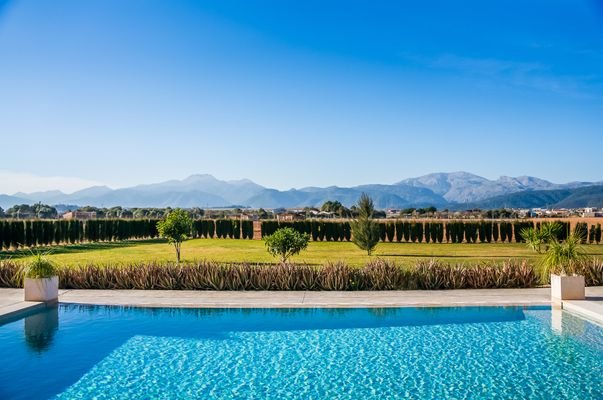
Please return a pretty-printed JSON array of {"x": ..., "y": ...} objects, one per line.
[{"x": 456, "y": 190}]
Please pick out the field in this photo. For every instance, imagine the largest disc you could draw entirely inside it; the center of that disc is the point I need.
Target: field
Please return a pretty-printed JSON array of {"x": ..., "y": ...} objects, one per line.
[{"x": 253, "y": 251}]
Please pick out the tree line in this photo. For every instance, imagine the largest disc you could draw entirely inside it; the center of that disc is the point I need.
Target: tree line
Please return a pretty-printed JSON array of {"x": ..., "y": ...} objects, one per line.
[
  {"x": 29, "y": 233},
  {"x": 431, "y": 231}
]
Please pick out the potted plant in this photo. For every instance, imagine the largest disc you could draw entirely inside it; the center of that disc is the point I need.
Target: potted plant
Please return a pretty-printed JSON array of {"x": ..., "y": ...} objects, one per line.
[
  {"x": 561, "y": 261},
  {"x": 41, "y": 280}
]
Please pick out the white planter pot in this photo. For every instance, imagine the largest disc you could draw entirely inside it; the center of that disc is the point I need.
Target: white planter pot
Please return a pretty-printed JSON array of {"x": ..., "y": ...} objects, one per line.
[
  {"x": 567, "y": 287},
  {"x": 42, "y": 289}
]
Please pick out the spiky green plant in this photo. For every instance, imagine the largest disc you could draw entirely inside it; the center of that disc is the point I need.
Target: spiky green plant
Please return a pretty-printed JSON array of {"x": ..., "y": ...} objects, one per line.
[
  {"x": 39, "y": 267},
  {"x": 563, "y": 257},
  {"x": 539, "y": 238}
]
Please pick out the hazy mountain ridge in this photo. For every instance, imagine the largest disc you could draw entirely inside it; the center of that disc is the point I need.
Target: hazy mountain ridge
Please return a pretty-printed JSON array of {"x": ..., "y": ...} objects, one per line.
[
  {"x": 589, "y": 196},
  {"x": 463, "y": 187},
  {"x": 443, "y": 190}
]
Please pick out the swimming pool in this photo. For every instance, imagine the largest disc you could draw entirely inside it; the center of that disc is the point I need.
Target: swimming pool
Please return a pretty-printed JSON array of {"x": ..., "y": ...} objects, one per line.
[{"x": 83, "y": 352}]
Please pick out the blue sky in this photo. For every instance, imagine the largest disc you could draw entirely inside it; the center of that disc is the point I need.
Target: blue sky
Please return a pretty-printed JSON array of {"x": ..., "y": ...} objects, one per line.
[{"x": 291, "y": 94}]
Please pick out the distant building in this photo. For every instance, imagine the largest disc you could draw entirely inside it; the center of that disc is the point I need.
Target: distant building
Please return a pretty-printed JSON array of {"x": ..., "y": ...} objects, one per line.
[
  {"x": 591, "y": 212},
  {"x": 290, "y": 216},
  {"x": 80, "y": 215},
  {"x": 249, "y": 217}
]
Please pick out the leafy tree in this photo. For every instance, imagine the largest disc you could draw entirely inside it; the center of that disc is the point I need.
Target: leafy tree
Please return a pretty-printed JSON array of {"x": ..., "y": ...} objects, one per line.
[
  {"x": 176, "y": 228},
  {"x": 336, "y": 207},
  {"x": 40, "y": 210},
  {"x": 286, "y": 242},
  {"x": 365, "y": 231}
]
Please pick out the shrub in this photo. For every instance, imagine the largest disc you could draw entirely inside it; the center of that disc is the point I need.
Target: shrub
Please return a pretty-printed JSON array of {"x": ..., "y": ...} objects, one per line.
[
  {"x": 375, "y": 275},
  {"x": 286, "y": 242}
]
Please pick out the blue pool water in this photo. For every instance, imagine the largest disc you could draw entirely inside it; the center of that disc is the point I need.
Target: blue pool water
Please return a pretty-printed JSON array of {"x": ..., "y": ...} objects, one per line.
[{"x": 86, "y": 352}]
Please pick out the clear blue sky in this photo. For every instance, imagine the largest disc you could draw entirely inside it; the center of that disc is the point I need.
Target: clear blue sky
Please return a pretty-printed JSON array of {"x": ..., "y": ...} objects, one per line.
[{"x": 297, "y": 93}]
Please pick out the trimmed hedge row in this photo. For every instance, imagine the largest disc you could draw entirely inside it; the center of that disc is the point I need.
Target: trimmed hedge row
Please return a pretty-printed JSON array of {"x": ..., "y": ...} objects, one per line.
[
  {"x": 29, "y": 233},
  {"x": 428, "y": 232}
]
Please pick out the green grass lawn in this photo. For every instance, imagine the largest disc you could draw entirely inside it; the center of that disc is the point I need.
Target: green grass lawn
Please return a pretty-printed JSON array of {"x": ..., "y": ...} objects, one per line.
[{"x": 253, "y": 251}]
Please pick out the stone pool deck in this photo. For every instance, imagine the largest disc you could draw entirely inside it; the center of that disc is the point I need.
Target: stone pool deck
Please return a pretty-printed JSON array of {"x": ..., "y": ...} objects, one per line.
[{"x": 11, "y": 302}]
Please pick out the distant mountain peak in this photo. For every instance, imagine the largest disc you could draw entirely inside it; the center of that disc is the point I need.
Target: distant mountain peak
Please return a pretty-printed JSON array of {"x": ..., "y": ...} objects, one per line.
[{"x": 440, "y": 189}]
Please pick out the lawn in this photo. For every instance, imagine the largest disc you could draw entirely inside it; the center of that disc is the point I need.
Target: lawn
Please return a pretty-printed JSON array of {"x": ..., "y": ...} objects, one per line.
[{"x": 253, "y": 251}]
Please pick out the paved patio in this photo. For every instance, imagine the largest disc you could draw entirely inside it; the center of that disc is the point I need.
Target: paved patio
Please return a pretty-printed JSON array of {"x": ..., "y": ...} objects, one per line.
[
  {"x": 11, "y": 300},
  {"x": 13, "y": 306}
]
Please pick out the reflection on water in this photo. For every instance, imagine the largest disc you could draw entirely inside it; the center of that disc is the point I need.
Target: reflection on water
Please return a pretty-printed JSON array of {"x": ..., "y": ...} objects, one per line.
[
  {"x": 215, "y": 321},
  {"x": 40, "y": 329}
]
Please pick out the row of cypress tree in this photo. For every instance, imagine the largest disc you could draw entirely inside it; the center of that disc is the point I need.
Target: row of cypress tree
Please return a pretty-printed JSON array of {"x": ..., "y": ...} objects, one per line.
[
  {"x": 28, "y": 233},
  {"x": 222, "y": 229},
  {"x": 319, "y": 230},
  {"x": 432, "y": 231}
]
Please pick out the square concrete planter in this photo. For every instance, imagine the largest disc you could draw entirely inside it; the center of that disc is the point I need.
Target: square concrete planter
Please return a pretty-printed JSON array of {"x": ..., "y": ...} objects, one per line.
[
  {"x": 567, "y": 287},
  {"x": 42, "y": 289}
]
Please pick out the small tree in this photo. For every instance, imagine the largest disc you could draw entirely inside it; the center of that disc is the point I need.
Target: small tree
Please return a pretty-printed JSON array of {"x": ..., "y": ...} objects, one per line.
[
  {"x": 286, "y": 242},
  {"x": 365, "y": 231},
  {"x": 176, "y": 228}
]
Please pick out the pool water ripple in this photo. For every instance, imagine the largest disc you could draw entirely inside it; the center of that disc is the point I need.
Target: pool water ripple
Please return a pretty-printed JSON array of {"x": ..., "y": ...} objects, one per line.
[{"x": 450, "y": 353}]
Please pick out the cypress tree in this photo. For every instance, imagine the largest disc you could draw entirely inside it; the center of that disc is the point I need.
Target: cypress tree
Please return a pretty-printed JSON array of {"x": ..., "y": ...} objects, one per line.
[
  {"x": 347, "y": 231},
  {"x": 441, "y": 233},
  {"x": 399, "y": 231},
  {"x": 315, "y": 230},
  {"x": 413, "y": 232},
  {"x": 509, "y": 232},
  {"x": 236, "y": 229},
  {"x": 495, "y": 232},
  {"x": 382, "y": 231},
  {"x": 427, "y": 232},
  {"x": 390, "y": 230},
  {"x": 2, "y": 235},
  {"x": 598, "y": 234},
  {"x": 321, "y": 231},
  {"x": 482, "y": 232},
  {"x": 211, "y": 228},
  {"x": 503, "y": 232},
  {"x": 434, "y": 231},
  {"x": 581, "y": 229},
  {"x": 419, "y": 231},
  {"x": 406, "y": 228},
  {"x": 591, "y": 234},
  {"x": 365, "y": 231}
]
